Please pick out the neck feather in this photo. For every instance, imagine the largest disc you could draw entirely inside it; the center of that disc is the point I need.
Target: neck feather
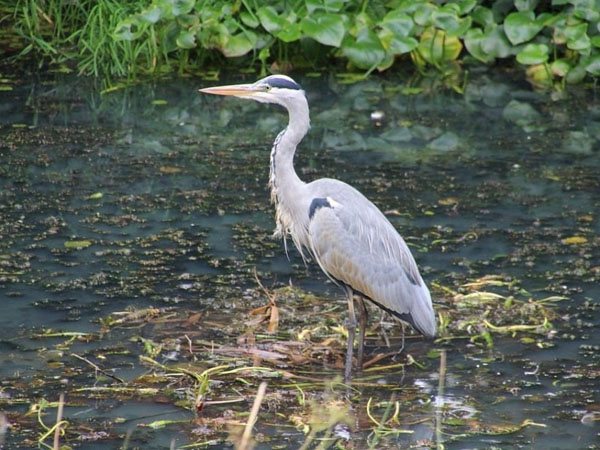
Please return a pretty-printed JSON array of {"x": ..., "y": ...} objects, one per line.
[{"x": 285, "y": 184}]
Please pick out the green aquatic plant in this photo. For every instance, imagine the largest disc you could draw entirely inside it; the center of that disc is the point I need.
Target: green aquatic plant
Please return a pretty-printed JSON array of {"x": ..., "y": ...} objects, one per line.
[{"x": 555, "y": 42}]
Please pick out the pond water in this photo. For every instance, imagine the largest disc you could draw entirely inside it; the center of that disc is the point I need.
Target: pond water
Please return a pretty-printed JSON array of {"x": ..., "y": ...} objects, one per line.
[{"x": 132, "y": 224}]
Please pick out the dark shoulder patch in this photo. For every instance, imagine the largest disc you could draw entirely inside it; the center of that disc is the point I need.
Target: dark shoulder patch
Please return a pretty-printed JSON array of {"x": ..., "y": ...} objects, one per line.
[
  {"x": 285, "y": 83},
  {"x": 319, "y": 202}
]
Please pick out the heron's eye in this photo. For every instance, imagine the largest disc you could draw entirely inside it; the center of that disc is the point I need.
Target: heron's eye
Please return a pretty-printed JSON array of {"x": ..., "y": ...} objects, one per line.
[{"x": 267, "y": 88}]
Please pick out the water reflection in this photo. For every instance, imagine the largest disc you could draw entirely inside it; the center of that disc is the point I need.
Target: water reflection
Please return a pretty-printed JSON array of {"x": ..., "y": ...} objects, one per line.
[{"x": 172, "y": 198}]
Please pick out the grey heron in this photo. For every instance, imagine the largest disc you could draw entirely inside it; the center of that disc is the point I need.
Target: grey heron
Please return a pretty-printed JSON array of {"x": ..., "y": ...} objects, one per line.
[{"x": 345, "y": 233}]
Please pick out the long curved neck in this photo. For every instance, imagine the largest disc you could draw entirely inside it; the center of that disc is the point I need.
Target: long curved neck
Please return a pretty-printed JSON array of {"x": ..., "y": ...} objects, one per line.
[
  {"x": 283, "y": 178},
  {"x": 286, "y": 186}
]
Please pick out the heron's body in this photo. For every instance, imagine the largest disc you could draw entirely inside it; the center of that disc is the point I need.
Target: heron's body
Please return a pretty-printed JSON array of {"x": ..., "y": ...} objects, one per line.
[{"x": 349, "y": 237}]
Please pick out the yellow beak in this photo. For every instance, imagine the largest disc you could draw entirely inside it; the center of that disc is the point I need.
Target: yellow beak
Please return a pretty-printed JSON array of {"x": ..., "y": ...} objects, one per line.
[{"x": 234, "y": 89}]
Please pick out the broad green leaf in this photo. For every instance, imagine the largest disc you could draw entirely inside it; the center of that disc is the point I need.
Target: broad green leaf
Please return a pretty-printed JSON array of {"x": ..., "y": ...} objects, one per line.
[
  {"x": 326, "y": 5},
  {"x": 327, "y": 29},
  {"x": 483, "y": 16},
  {"x": 526, "y": 5},
  {"x": 574, "y": 32},
  {"x": 592, "y": 65},
  {"x": 587, "y": 10},
  {"x": 560, "y": 67},
  {"x": 188, "y": 20},
  {"x": 401, "y": 44},
  {"x": 580, "y": 44},
  {"x": 290, "y": 33},
  {"x": 269, "y": 19},
  {"x": 546, "y": 19},
  {"x": 237, "y": 45},
  {"x": 129, "y": 29},
  {"x": 365, "y": 52},
  {"x": 395, "y": 44},
  {"x": 595, "y": 41},
  {"x": 521, "y": 27},
  {"x": 436, "y": 46},
  {"x": 152, "y": 14},
  {"x": 249, "y": 20},
  {"x": 445, "y": 20},
  {"x": 533, "y": 54},
  {"x": 465, "y": 6},
  {"x": 399, "y": 23},
  {"x": 386, "y": 63},
  {"x": 179, "y": 7},
  {"x": 496, "y": 44},
  {"x": 186, "y": 39},
  {"x": 422, "y": 14},
  {"x": 473, "y": 39}
]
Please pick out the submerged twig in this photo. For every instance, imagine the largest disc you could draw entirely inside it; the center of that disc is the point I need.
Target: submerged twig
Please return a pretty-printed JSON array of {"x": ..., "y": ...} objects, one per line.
[
  {"x": 59, "y": 415},
  {"x": 260, "y": 394},
  {"x": 98, "y": 369}
]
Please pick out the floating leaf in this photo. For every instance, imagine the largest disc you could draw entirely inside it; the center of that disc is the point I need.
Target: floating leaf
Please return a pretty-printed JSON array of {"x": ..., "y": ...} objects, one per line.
[
  {"x": 533, "y": 54},
  {"x": 521, "y": 26},
  {"x": 327, "y": 29},
  {"x": 169, "y": 170},
  {"x": 448, "y": 201},
  {"x": 574, "y": 240},
  {"x": 95, "y": 196},
  {"x": 159, "y": 102},
  {"x": 77, "y": 244}
]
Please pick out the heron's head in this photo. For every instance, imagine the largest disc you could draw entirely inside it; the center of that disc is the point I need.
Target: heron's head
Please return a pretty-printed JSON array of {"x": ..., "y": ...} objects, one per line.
[{"x": 278, "y": 89}]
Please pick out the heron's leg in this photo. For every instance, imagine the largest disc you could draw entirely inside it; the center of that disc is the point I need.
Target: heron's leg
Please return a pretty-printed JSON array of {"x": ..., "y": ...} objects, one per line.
[
  {"x": 362, "y": 328},
  {"x": 351, "y": 332}
]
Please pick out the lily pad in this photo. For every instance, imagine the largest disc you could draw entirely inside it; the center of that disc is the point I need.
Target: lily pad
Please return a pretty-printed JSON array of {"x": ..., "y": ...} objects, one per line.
[
  {"x": 533, "y": 54},
  {"x": 521, "y": 27},
  {"x": 325, "y": 28}
]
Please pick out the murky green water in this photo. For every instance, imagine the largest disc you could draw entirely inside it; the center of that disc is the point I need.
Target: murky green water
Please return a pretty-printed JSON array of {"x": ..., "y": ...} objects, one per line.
[{"x": 156, "y": 196}]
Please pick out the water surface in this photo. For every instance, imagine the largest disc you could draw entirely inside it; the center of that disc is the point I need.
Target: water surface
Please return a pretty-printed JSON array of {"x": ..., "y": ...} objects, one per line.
[{"x": 167, "y": 191}]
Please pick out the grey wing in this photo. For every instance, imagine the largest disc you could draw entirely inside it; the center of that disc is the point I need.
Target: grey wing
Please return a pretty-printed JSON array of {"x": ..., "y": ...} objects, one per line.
[{"x": 358, "y": 246}]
